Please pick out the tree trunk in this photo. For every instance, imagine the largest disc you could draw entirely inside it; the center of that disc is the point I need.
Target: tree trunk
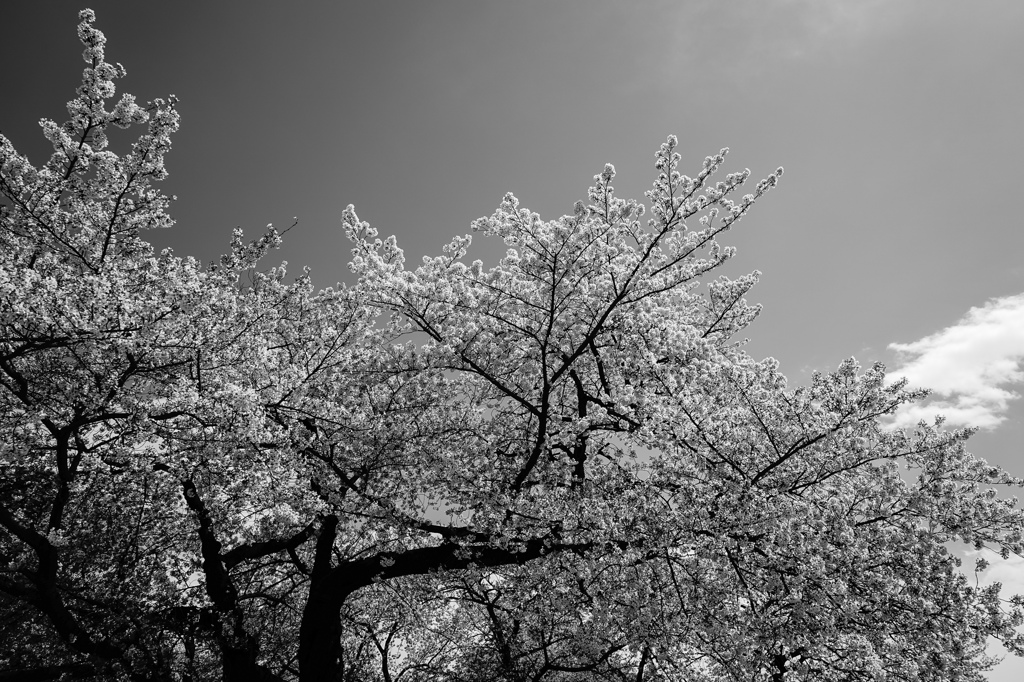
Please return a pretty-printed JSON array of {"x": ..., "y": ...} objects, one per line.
[{"x": 320, "y": 631}]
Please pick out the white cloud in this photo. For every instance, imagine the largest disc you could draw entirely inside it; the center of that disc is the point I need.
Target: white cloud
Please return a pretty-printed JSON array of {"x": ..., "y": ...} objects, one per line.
[
  {"x": 707, "y": 40},
  {"x": 850, "y": 17},
  {"x": 970, "y": 367},
  {"x": 1009, "y": 572}
]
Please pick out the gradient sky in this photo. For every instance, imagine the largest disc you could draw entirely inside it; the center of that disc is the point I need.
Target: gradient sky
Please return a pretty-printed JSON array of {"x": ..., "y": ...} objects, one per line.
[{"x": 893, "y": 236}]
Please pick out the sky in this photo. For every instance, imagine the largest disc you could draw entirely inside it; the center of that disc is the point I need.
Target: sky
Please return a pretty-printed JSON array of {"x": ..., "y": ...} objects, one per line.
[{"x": 894, "y": 235}]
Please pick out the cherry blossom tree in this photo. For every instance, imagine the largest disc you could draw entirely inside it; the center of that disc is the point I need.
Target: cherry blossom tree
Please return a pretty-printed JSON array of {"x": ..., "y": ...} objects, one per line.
[{"x": 564, "y": 466}]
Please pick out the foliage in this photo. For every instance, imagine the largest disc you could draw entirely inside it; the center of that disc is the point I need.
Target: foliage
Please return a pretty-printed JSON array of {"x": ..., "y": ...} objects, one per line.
[{"x": 561, "y": 467}]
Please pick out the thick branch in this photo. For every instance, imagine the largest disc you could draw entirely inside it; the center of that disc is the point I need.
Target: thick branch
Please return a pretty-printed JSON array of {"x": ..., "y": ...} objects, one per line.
[
  {"x": 257, "y": 550},
  {"x": 239, "y": 649},
  {"x": 350, "y": 576}
]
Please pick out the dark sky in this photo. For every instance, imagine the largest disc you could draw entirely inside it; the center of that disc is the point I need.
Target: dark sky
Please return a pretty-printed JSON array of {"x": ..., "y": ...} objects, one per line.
[{"x": 898, "y": 123}]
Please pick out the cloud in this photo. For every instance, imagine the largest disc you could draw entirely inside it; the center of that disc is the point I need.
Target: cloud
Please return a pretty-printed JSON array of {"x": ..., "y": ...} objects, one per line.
[
  {"x": 850, "y": 18},
  {"x": 970, "y": 367},
  {"x": 708, "y": 41},
  {"x": 1008, "y": 572}
]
